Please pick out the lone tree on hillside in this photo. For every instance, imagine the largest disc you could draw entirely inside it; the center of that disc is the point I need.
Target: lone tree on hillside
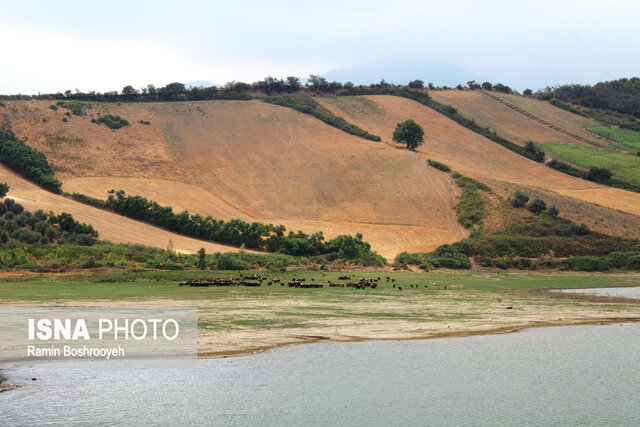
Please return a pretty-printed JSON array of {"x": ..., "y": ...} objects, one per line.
[{"x": 410, "y": 133}]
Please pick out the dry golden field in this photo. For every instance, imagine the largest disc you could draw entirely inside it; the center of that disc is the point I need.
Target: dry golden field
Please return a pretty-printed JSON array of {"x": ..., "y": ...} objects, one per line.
[
  {"x": 254, "y": 161},
  {"x": 485, "y": 160}
]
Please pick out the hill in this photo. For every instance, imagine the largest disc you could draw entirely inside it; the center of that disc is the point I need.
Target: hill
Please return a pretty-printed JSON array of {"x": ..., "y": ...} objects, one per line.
[
  {"x": 249, "y": 160},
  {"x": 111, "y": 227},
  {"x": 513, "y": 125},
  {"x": 605, "y": 209}
]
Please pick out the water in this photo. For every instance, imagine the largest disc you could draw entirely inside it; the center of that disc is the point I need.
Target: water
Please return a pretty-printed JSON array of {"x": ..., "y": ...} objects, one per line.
[
  {"x": 581, "y": 375},
  {"x": 628, "y": 292}
]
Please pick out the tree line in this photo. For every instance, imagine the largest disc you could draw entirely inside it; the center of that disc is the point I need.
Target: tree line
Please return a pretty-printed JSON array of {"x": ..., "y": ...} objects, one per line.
[{"x": 236, "y": 232}]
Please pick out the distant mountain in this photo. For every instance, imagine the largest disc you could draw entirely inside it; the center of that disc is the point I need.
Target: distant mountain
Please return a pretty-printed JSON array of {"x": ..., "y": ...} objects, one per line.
[
  {"x": 403, "y": 69},
  {"x": 199, "y": 83}
]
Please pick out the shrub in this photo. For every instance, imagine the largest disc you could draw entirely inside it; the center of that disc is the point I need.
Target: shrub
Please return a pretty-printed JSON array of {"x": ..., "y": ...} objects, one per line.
[
  {"x": 438, "y": 165},
  {"x": 519, "y": 199},
  {"x": 553, "y": 211},
  {"x": 537, "y": 205},
  {"x": 53, "y": 107},
  {"x": 112, "y": 122},
  {"x": 599, "y": 174},
  {"x": 229, "y": 261},
  {"x": 536, "y": 153},
  {"x": 75, "y": 107},
  {"x": 586, "y": 263}
]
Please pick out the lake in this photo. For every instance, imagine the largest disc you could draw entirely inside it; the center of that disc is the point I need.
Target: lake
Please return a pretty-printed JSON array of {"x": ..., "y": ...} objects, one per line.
[{"x": 577, "y": 375}]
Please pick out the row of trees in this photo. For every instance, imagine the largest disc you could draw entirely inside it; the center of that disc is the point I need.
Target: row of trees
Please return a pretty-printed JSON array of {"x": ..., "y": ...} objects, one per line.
[
  {"x": 621, "y": 96},
  {"x": 177, "y": 91},
  {"x": 236, "y": 232}
]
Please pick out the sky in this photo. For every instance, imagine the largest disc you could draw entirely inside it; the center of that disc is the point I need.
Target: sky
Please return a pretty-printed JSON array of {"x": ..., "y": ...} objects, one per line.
[{"x": 51, "y": 46}]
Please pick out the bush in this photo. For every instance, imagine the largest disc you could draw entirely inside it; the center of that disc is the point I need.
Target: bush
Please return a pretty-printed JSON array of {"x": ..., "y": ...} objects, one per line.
[
  {"x": 537, "y": 205},
  {"x": 112, "y": 122},
  {"x": 586, "y": 263},
  {"x": 75, "y": 107},
  {"x": 553, "y": 211},
  {"x": 601, "y": 175},
  {"x": 438, "y": 165},
  {"x": 519, "y": 199},
  {"x": 536, "y": 153},
  {"x": 229, "y": 261}
]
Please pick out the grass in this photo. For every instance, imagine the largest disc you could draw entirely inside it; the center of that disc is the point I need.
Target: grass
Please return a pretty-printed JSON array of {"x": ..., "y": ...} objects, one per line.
[
  {"x": 270, "y": 311},
  {"x": 625, "y": 139},
  {"x": 623, "y": 166},
  {"x": 130, "y": 285}
]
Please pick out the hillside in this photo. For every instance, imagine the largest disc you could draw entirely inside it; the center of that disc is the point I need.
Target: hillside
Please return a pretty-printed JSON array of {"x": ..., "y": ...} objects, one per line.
[
  {"x": 253, "y": 161},
  {"x": 112, "y": 227},
  {"x": 604, "y": 209},
  {"x": 511, "y": 124}
]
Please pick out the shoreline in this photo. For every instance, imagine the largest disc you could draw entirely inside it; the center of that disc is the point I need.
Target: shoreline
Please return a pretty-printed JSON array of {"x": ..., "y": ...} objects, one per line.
[
  {"x": 312, "y": 339},
  {"x": 496, "y": 330}
]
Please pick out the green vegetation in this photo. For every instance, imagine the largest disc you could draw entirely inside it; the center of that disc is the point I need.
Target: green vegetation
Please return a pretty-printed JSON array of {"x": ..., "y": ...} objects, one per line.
[
  {"x": 471, "y": 210},
  {"x": 519, "y": 199},
  {"x": 626, "y": 139},
  {"x": 27, "y": 161},
  {"x": 20, "y": 229},
  {"x": 547, "y": 242},
  {"x": 149, "y": 284},
  {"x": 623, "y": 166},
  {"x": 422, "y": 97},
  {"x": 4, "y": 189},
  {"x": 438, "y": 165},
  {"x": 144, "y": 122},
  {"x": 75, "y": 107},
  {"x": 306, "y": 104},
  {"x": 409, "y": 133},
  {"x": 236, "y": 232},
  {"x": 619, "y": 96},
  {"x": 112, "y": 122}
]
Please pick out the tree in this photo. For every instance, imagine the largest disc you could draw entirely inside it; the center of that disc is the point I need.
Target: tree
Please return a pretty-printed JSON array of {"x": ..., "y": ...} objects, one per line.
[
  {"x": 416, "y": 84},
  {"x": 202, "y": 263},
  {"x": 527, "y": 92},
  {"x": 410, "y": 133},
  {"x": 599, "y": 174},
  {"x": 4, "y": 189},
  {"x": 294, "y": 83},
  {"x": 129, "y": 91},
  {"x": 487, "y": 86}
]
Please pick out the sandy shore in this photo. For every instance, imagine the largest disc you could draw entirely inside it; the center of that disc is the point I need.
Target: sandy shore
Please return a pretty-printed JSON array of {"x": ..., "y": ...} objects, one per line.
[{"x": 241, "y": 326}]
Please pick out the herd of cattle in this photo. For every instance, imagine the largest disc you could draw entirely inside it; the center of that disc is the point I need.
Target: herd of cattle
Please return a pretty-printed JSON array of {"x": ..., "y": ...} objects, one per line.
[{"x": 256, "y": 280}]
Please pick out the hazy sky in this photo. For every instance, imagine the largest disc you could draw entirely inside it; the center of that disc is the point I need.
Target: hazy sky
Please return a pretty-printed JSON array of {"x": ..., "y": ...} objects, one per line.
[{"x": 51, "y": 46}]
